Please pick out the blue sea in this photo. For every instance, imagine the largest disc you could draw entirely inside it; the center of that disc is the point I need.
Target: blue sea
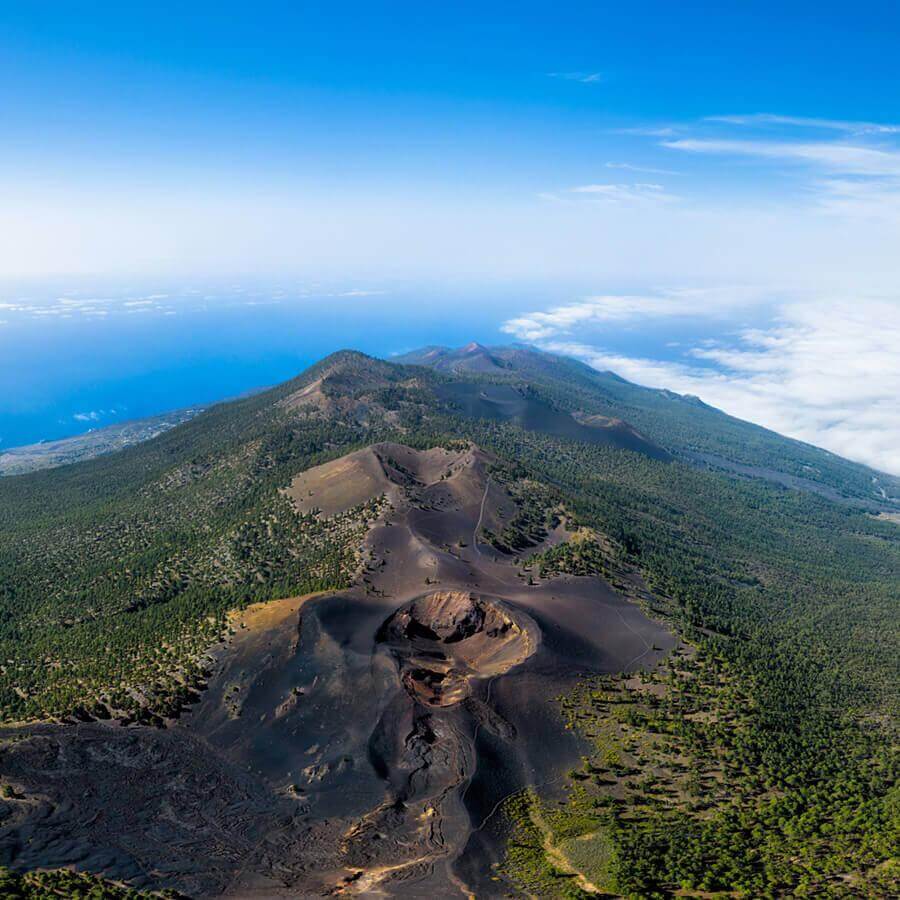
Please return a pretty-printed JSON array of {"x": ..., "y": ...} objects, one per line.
[
  {"x": 72, "y": 359},
  {"x": 110, "y": 355}
]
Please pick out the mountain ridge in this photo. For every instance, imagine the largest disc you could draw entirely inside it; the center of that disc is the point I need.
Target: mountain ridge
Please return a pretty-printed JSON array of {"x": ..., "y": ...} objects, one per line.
[
  {"x": 694, "y": 657},
  {"x": 737, "y": 454},
  {"x": 624, "y": 395}
]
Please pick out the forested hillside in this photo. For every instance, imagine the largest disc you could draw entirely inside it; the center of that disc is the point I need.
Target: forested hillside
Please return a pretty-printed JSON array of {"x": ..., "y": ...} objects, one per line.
[
  {"x": 117, "y": 574},
  {"x": 682, "y": 424}
]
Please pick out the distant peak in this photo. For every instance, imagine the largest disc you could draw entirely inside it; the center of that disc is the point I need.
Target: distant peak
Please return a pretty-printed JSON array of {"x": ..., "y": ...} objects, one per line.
[{"x": 473, "y": 347}]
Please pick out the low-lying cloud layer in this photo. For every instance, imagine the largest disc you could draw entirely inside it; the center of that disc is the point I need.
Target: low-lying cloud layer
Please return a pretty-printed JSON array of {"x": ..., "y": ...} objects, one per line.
[
  {"x": 824, "y": 370},
  {"x": 77, "y": 307}
]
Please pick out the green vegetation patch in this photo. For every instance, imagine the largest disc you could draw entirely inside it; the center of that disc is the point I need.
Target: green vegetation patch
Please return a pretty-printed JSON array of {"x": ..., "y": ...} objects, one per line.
[
  {"x": 765, "y": 764},
  {"x": 537, "y": 512},
  {"x": 667, "y": 800},
  {"x": 70, "y": 885},
  {"x": 117, "y": 574},
  {"x": 556, "y": 852}
]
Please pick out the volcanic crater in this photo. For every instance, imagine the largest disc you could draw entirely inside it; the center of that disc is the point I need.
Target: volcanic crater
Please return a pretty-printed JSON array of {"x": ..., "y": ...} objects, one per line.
[
  {"x": 447, "y": 638},
  {"x": 359, "y": 741}
]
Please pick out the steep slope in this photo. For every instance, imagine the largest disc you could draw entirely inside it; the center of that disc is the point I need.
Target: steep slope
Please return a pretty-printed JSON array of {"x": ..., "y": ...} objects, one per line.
[
  {"x": 357, "y": 725},
  {"x": 473, "y": 357},
  {"x": 522, "y": 406},
  {"x": 433, "y": 536},
  {"x": 149, "y": 548},
  {"x": 681, "y": 424}
]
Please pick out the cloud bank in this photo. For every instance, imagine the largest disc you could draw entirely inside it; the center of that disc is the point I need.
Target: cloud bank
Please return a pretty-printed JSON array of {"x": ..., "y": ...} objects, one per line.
[
  {"x": 824, "y": 370},
  {"x": 826, "y": 366}
]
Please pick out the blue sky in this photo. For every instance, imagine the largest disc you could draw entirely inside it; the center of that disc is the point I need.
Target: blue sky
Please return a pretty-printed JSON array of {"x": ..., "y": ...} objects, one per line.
[
  {"x": 396, "y": 139},
  {"x": 705, "y": 197}
]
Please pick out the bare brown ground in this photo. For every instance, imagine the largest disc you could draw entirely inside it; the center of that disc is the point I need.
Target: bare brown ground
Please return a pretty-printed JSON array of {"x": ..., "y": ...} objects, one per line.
[
  {"x": 444, "y": 640},
  {"x": 341, "y": 484},
  {"x": 309, "y": 767},
  {"x": 270, "y": 614}
]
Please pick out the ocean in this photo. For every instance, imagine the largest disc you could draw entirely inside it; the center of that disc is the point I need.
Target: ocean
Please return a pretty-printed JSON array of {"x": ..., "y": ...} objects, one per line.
[
  {"x": 69, "y": 367},
  {"x": 75, "y": 359}
]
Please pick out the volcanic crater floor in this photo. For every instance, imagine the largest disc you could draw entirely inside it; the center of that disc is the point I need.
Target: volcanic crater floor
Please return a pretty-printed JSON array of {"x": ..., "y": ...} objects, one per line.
[{"x": 358, "y": 742}]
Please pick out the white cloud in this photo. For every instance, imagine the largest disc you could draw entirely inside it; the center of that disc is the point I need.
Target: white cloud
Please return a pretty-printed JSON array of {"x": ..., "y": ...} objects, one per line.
[
  {"x": 851, "y": 181},
  {"x": 650, "y": 130},
  {"x": 648, "y": 170},
  {"x": 607, "y": 308},
  {"x": 95, "y": 415},
  {"x": 91, "y": 301},
  {"x": 826, "y": 370},
  {"x": 855, "y": 198},
  {"x": 627, "y": 193},
  {"x": 849, "y": 159},
  {"x": 582, "y": 77},
  {"x": 846, "y": 125},
  {"x": 361, "y": 293}
]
